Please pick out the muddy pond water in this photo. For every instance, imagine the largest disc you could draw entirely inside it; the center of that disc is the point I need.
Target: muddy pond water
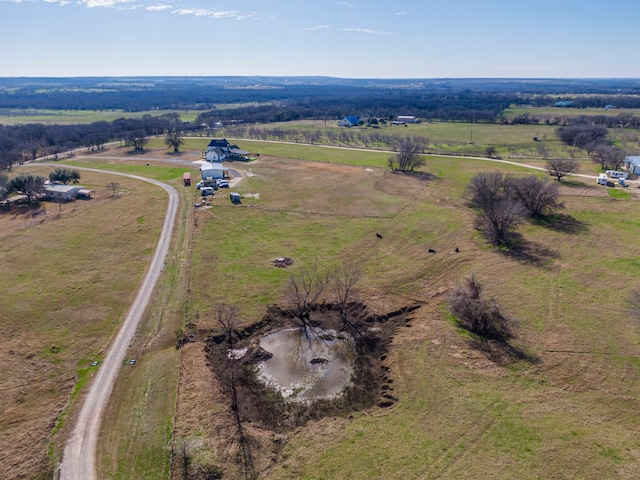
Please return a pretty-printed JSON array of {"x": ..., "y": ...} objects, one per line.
[{"x": 307, "y": 364}]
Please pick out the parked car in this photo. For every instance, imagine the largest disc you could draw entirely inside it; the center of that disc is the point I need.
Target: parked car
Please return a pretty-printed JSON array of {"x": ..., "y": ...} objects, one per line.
[
  {"x": 199, "y": 185},
  {"x": 206, "y": 191},
  {"x": 223, "y": 184}
]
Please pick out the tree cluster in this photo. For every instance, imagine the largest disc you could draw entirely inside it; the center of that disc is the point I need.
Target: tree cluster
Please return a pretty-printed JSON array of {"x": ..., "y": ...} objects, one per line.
[
  {"x": 408, "y": 158},
  {"x": 27, "y": 184},
  {"x": 502, "y": 202},
  {"x": 64, "y": 175}
]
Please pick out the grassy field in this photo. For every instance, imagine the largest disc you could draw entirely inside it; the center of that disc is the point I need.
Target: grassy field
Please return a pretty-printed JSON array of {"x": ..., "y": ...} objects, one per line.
[
  {"x": 512, "y": 142},
  {"x": 563, "y": 403},
  {"x": 69, "y": 117},
  {"x": 567, "y": 407}
]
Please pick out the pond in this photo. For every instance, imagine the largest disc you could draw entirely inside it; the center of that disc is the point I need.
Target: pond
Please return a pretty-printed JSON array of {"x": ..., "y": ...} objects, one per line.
[{"x": 307, "y": 364}]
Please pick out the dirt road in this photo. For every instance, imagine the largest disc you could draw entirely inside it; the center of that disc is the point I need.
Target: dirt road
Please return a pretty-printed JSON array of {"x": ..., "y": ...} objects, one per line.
[{"x": 78, "y": 461}]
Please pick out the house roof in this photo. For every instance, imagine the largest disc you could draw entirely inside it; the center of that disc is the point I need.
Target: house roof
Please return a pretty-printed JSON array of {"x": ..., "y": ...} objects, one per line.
[
  {"x": 633, "y": 160},
  {"x": 212, "y": 166},
  {"x": 352, "y": 119},
  {"x": 217, "y": 150},
  {"x": 238, "y": 151},
  {"x": 57, "y": 188},
  {"x": 217, "y": 142}
]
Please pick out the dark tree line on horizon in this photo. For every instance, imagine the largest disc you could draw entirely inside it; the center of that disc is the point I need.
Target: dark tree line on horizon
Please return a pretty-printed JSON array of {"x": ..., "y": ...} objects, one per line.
[
  {"x": 264, "y": 100},
  {"x": 20, "y": 143}
]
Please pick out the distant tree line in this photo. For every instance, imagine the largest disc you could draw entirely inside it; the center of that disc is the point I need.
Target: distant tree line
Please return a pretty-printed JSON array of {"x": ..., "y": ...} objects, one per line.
[
  {"x": 622, "y": 120},
  {"x": 20, "y": 143},
  {"x": 618, "y": 100},
  {"x": 455, "y": 107}
]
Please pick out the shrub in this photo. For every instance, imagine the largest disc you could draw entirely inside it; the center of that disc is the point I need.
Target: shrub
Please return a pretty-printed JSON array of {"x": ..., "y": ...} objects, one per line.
[{"x": 477, "y": 315}]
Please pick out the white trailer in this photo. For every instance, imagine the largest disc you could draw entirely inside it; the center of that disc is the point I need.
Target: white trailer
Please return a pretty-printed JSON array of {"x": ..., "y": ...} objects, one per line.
[{"x": 617, "y": 174}]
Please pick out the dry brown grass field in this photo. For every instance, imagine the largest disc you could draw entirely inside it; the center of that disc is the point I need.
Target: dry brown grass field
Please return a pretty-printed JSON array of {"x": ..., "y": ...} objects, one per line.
[{"x": 67, "y": 278}]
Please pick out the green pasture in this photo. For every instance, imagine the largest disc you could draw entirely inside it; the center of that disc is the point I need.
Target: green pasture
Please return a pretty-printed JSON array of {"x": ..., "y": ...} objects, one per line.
[
  {"x": 163, "y": 174},
  {"x": 536, "y": 418},
  {"x": 453, "y": 421},
  {"x": 513, "y": 112},
  {"x": 70, "y": 117}
]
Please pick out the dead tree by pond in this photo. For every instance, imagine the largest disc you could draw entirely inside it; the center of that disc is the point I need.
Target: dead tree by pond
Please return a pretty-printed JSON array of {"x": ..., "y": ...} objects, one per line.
[
  {"x": 227, "y": 317},
  {"x": 304, "y": 291},
  {"x": 345, "y": 278}
]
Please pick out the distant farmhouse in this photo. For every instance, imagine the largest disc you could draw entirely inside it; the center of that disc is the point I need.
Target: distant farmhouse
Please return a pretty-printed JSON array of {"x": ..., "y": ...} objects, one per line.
[
  {"x": 407, "y": 119},
  {"x": 220, "y": 149},
  {"x": 65, "y": 193},
  {"x": 350, "y": 121}
]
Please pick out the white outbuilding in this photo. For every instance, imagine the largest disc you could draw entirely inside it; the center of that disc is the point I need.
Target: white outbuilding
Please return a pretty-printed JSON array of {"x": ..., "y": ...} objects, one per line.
[{"x": 63, "y": 193}]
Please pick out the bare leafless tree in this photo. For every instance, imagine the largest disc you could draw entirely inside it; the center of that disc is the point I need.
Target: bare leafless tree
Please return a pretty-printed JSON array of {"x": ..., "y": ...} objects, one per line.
[
  {"x": 227, "y": 317},
  {"x": 538, "y": 196},
  {"x": 114, "y": 187},
  {"x": 408, "y": 158},
  {"x": 499, "y": 220},
  {"x": 499, "y": 213},
  {"x": 304, "y": 290},
  {"x": 488, "y": 187},
  {"x": 609, "y": 157},
  {"x": 345, "y": 277},
  {"x": 562, "y": 167}
]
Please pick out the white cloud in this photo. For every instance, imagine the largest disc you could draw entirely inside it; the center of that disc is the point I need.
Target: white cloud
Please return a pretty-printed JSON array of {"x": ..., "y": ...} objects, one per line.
[
  {"x": 62, "y": 3},
  {"x": 158, "y": 8},
  {"x": 319, "y": 27},
  {"x": 212, "y": 13},
  {"x": 102, "y": 3},
  {"x": 345, "y": 4},
  {"x": 366, "y": 30},
  {"x": 401, "y": 14}
]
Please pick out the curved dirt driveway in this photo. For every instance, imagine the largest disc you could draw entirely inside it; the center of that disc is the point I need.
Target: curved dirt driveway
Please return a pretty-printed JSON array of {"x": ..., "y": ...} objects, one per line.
[{"x": 79, "y": 460}]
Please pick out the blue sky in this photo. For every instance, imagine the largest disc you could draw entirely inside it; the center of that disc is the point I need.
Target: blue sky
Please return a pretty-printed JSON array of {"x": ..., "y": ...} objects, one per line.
[{"x": 351, "y": 39}]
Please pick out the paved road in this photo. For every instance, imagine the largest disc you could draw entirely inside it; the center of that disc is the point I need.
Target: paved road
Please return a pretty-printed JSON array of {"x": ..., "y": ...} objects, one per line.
[{"x": 79, "y": 459}]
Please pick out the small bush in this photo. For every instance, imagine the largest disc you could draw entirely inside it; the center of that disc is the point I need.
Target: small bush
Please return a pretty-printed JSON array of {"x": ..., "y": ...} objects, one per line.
[{"x": 482, "y": 317}]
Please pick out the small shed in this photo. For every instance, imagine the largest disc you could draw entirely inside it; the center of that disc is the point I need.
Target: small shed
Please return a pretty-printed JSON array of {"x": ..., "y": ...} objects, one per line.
[
  {"x": 186, "y": 178},
  {"x": 235, "y": 197}
]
